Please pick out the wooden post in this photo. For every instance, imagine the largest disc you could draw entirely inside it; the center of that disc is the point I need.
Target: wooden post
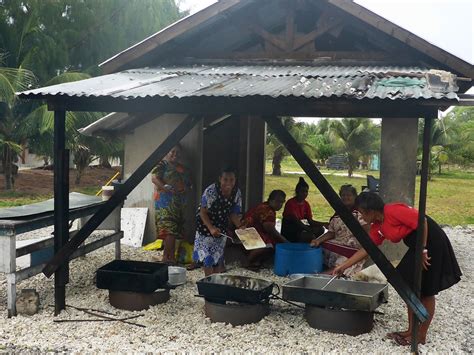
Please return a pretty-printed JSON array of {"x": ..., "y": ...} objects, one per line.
[
  {"x": 117, "y": 198},
  {"x": 61, "y": 208},
  {"x": 425, "y": 162},
  {"x": 331, "y": 196}
]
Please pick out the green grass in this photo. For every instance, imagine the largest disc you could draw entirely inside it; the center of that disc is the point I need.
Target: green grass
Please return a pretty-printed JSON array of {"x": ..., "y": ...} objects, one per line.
[
  {"x": 449, "y": 195},
  {"x": 449, "y": 198}
]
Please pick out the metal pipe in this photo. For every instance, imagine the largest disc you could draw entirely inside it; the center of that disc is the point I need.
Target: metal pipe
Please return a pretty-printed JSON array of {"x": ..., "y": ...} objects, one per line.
[{"x": 421, "y": 224}]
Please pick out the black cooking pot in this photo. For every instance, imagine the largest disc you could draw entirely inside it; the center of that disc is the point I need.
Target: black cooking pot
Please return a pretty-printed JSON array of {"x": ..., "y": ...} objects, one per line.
[{"x": 220, "y": 288}]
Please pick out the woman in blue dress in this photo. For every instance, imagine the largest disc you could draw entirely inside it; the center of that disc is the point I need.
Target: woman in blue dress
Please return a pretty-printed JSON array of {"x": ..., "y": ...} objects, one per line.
[{"x": 221, "y": 203}]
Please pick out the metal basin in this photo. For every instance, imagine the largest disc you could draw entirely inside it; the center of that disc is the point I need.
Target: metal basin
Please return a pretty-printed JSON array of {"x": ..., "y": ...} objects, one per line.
[
  {"x": 344, "y": 294},
  {"x": 222, "y": 287}
]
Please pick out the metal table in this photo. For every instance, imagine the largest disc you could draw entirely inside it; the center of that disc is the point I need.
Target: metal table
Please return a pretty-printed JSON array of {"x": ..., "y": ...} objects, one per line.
[{"x": 17, "y": 220}]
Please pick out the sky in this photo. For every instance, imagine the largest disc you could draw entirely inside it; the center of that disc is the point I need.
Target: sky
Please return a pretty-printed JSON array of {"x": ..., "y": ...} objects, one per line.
[{"x": 447, "y": 24}]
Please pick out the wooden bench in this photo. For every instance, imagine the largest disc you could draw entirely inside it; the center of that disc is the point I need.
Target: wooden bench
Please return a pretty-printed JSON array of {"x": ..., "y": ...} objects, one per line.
[{"x": 9, "y": 252}]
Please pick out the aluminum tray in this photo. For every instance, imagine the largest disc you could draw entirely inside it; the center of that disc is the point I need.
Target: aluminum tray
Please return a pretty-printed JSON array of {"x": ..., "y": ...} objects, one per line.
[
  {"x": 344, "y": 294},
  {"x": 220, "y": 288}
]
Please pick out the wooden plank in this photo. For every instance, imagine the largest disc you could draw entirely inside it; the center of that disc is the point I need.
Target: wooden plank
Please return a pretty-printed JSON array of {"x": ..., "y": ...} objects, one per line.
[
  {"x": 327, "y": 21},
  {"x": 290, "y": 25},
  {"x": 425, "y": 162},
  {"x": 61, "y": 207},
  {"x": 273, "y": 39},
  {"x": 12, "y": 227},
  {"x": 26, "y": 273},
  {"x": 332, "y": 197},
  {"x": 374, "y": 56},
  {"x": 261, "y": 105},
  {"x": 120, "y": 194},
  {"x": 30, "y": 248}
]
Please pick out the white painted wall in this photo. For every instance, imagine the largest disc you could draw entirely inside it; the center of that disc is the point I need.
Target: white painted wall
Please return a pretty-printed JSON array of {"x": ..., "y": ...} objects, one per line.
[{"x": 140, "y": 144}]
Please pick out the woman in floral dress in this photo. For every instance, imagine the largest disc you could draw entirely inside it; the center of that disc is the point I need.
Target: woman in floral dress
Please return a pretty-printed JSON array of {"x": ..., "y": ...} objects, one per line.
[
  {"x": 221, "y": 202},
  {"x": 171, "y": 181},
  {"x": 340, "y": 236}
]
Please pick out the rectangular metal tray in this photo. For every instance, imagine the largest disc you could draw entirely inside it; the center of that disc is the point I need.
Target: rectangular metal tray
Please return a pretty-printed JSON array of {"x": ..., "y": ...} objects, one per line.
[
  {"x": 223, "y": 287},
  {"x": 346, "y": 294},
  {"x": 132, "y": 276}
]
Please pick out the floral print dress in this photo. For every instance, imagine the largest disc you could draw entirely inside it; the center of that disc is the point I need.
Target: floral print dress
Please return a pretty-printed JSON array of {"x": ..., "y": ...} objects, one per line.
[
  {"x": 169, "y": 205},
  {"x": 208, "y": 249},
  {"x": 344, "y": 237}
]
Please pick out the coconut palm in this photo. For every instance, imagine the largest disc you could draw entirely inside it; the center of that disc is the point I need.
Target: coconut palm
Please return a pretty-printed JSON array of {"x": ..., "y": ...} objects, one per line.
[
  {"x": 39, "y": 129},
  {"x": 354, "y": 137},
  {"x": 278, "y": 151},
  {"x": 11, "y": 81}
]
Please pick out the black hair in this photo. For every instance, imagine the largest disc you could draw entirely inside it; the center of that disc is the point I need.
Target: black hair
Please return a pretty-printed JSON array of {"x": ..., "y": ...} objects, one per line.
[
  {"x": 275, "y": 194},
  {"x": 348, "y": 187},
  {"x": 228, "y": 170},
  {"x": 370, "y": 201},
  {"x": 301, "y": 185}
]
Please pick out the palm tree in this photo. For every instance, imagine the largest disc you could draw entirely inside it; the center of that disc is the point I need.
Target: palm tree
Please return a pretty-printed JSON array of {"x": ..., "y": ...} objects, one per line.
[
  {"x": 278, "y": 151},
  {"x": 11, "y": 81},
  {"x": 355, "y": 137},
  {"x": 39, "y": 128},
  {"x": 440, "y": 140}
]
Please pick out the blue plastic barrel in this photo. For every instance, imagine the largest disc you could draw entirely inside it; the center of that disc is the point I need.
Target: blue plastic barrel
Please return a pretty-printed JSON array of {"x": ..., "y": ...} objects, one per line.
[{"x": 297, "y": 258}]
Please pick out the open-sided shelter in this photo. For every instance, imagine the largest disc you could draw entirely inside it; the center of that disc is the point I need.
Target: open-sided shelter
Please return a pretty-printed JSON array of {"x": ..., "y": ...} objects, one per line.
[{"x": 214, "y": 81}]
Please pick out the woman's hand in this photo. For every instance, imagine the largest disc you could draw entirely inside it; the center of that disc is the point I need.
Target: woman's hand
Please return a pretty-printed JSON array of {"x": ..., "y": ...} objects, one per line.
[
  {"x": 425, "y": 259},
  {"x": 315, "y": 243},
  {"x": 338, "y": 270},
  {"x": 215, "y": 232}
]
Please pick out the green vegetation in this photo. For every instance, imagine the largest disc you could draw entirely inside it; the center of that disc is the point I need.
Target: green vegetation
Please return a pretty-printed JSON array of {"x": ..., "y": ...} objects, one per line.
[
  {"x": 51, "y": 42},
  {"x": 449, "y": 195}
]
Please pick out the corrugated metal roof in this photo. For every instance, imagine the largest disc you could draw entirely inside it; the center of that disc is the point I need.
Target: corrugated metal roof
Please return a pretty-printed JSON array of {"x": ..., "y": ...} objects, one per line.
[{"x": 358, "y": 82}]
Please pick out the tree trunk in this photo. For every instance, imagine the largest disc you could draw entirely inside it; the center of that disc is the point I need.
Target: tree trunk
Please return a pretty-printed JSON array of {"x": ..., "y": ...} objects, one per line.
[
  {"x": 7, "y": 166},
  {"x": 276, "y": 164},
  {"x": 439, "y": 168},
  {"x": 104, "y": 162},
  {"x": 82, "y": 159}
]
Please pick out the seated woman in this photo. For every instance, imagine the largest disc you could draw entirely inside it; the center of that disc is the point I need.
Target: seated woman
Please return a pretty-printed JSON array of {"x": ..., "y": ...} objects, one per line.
[
  {"x": 343, "y": 243},
  {"x": 298, "y": 224},
  {"x": 263, "y": 218}
]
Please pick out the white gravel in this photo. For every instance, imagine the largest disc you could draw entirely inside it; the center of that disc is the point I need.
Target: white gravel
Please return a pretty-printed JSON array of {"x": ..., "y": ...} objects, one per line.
[{"x": 180, "y": 324}]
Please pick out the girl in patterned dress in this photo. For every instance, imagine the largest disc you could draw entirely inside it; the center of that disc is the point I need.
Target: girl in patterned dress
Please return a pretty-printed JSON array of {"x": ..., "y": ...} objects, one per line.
[
  {"x": 339, "y": 234},
  {"x": 171, "y": 180},
  {"x": 221, "y": 202}
]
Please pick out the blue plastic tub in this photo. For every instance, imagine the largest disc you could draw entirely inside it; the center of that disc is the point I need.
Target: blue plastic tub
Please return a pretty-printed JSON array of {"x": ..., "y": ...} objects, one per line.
[{"x": 297, "y": 258}]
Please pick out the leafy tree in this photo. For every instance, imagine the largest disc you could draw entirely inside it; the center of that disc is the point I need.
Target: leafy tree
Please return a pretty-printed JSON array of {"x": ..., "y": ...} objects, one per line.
[
  {"x": 11, "y": 81},
  {"x": 51, "y": 37},
  {"x": 39, "y": 126},
  {"x": 439, "y": 141},
  {"x": 460, "y": 124},
  {"x": 355, "y": 137},
  {"x": 277, "y": 150}
]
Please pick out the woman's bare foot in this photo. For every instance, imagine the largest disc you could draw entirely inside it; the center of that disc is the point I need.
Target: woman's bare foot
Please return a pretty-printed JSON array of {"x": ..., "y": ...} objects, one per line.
[
  {"x": 393, "y": 335},
  {"x": 405, "y": 341}
]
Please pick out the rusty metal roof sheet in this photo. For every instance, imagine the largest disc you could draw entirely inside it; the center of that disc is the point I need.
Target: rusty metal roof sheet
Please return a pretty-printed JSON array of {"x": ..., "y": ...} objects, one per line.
[{"x": 382, "y": 82}]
